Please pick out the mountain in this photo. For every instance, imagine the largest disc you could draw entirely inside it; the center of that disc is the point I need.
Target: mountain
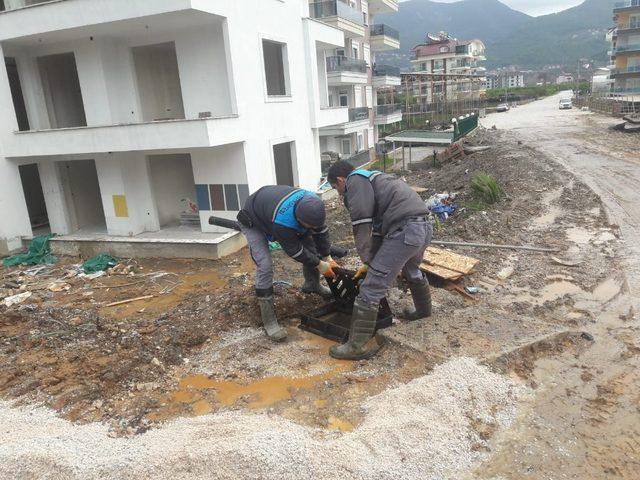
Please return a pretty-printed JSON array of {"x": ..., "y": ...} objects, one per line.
[
  {"x": 558, "y": 39},
  {"x": 511, "y": 37}
]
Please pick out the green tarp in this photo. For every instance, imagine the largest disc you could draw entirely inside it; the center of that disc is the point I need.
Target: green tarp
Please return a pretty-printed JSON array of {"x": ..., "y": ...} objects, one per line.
[
  {"x": 99, "y": 263},
  {"x": 39, "y": 253}
]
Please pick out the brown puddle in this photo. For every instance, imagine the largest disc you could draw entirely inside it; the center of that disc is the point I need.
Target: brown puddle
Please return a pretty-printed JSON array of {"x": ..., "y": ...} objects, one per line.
[
  {"x": 264, "y": 392},
  {"x": 336, "y": 423}
]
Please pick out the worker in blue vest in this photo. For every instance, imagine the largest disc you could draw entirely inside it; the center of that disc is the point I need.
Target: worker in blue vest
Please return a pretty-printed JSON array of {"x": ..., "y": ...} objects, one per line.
[
  {"x": 391, "y": 232},
  {"x": 295, "y": 218}
]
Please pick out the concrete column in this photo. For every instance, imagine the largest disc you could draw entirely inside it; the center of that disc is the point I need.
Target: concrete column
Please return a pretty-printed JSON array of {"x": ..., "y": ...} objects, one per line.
[
  {"x": 54, "y": 197},
  {"x": 126, "y": 193},
  {"x": 33, "y": 93},
  {"x": 92, "y": 77}
]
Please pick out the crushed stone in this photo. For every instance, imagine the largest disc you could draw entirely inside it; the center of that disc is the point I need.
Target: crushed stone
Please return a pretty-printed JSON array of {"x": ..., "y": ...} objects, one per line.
[{"x": 425, "y": 429}]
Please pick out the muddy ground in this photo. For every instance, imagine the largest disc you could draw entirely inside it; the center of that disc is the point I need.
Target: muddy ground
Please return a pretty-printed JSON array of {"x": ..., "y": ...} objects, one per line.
[{"x": 196, "y": 348}]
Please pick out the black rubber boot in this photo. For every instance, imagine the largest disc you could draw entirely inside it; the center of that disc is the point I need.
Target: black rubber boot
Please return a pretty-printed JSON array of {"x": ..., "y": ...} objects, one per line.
[
  {"x": 312, "y": 282},
  {"x": 265, "y": 299},
  {"x": 421, "y": 295},
  {"x": 362, "y": 344}
]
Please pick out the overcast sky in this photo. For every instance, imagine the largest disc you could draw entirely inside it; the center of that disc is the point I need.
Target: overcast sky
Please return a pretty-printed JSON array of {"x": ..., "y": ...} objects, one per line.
[{"x": 535, "y": 7}]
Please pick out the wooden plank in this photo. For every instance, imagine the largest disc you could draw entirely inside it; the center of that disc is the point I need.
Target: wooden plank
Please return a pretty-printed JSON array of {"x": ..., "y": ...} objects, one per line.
[
  {"x": 449, "y": 260},
  {"x": 418, "y": 189},
  {"x": 441, "y": 272},
  {"x": 131, "y": 300}
]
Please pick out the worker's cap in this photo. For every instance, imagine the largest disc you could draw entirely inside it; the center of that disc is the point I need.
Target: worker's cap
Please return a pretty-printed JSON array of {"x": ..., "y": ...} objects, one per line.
[{"x": 310, "y": 211}]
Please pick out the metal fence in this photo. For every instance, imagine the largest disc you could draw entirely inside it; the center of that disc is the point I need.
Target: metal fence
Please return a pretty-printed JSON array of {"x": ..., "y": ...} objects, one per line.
[{"x": 610, "y": 103}]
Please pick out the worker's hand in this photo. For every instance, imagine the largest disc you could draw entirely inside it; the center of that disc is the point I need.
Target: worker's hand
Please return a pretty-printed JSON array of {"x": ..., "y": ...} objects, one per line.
[
  {"x": 361, "y": 271},
  {"x": 326, "y": 269},
  {"x": 331, "y": 262}
]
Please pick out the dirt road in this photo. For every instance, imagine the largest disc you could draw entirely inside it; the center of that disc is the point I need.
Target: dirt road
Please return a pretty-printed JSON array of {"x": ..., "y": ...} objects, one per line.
[{"x": 584, "y": 421}]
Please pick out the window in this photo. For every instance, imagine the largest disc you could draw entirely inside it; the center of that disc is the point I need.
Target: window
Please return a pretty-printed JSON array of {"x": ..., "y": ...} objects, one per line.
[
  {"x": 344, "y": 99},
  {"x": 276, "y": 68},
  {"x": 444, "y": 49},
  {"x": 284, "y": 160},
  {"x": 346, "y": 146}
]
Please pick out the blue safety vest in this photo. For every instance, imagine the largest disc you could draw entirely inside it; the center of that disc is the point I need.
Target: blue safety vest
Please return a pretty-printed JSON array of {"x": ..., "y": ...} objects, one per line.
[
  {"x": 285, "y": 212},
  {"x": 368, "y": 174}
]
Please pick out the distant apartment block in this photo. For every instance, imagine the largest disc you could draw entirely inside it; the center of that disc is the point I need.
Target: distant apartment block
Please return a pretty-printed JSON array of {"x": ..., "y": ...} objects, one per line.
[
  {"x": 453, "y": 67},
  {"x": 564, "y": 78},
  {"x": 116, "y": 113},
  {"x": 626, "y": 47},
  {"x": 354, "y": 76},
  {"x": 505, "y": 79}
]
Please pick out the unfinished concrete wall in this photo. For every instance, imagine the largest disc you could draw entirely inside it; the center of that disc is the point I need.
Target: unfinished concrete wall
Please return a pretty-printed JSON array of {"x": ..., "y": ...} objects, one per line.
[
  {"x": 159, "y": 90},
  {"x": 82, "y": 193},
  {"x": 172, "y": 181},
  {"x": 62, "y": 92},
  {"x": 16, "y": 93}
]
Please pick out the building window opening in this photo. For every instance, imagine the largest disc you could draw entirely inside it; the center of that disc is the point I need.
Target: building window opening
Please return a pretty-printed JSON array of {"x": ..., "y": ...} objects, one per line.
[
  {"x": 34, "y": 198},
  {"x": 284, "y": 159},
  {"x": 16, "y": 94},
  {"x": 276, "y": 68},
  {"x": 61, "y": 86},
  {"x": 158, "y": 78}
]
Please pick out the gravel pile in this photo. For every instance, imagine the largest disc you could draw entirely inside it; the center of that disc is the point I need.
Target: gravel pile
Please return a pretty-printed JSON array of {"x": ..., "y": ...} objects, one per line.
[{"x": 431, "y": 428}]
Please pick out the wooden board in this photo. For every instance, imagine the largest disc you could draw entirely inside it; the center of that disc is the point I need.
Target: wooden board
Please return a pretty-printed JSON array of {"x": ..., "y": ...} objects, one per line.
[
  {"x": 418, "y": 189},
  {"x": 447, "y": 265},
  {"x": 449, "y": 260}
]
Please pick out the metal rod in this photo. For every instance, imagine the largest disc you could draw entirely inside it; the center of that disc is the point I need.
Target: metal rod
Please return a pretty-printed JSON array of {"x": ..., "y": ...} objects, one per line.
[{"x": 492, "y": 245}]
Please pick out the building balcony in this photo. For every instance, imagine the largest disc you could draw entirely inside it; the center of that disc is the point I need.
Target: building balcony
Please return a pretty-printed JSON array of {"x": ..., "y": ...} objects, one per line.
[
  {"x": 340, "y": 15},
  {"x": 346, "y": 71},
  {"x": 328, "y": 116},
  {"x": 625, "y": 27},
  {"x": 385, "y": 76},
  {"x": 161, "y": 135},
  {"x": 627, "y": 4},
  {"x": 376, "y": 7},
  {"x": 387, "y": 114},
  {"x": 624, "y": 49},
  {"x": 383, "y": 38},
  {"x": 66, "y": 20},
  {"x": 626, "y": 71},
  {"x": 358, "y": 119}
]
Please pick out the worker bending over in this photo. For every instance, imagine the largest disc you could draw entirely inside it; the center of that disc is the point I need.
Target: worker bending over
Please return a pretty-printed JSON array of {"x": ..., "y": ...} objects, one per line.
[
  {"x": 295, "y": 218},
  {"x": 391, "y": 233}
]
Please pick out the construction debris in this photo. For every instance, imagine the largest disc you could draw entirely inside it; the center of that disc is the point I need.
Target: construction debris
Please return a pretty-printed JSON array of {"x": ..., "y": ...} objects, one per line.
[
  {"x": 16, "y": 299},
  {"x": 631, "y": 124},
  {"x": 493, "y": 245},
  {"x": 447, "y": 265}
]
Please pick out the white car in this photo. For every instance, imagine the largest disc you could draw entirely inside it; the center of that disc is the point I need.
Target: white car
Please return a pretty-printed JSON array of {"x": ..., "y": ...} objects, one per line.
[
  {"x": 566, "y": 104},
  {"x": 503, "y": 107}
]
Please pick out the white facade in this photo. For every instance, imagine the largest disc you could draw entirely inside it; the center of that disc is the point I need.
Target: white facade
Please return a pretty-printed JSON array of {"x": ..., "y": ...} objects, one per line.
[
  {"x": 115, "y": 111},
  {"x": 506, "y": 79},
  {"x": 355, "y": 77}
]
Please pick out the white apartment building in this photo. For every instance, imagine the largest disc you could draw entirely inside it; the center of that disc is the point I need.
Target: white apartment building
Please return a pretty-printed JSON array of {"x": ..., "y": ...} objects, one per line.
[
  {"x": 114, "y": 112},
  {"x": 453, "y": 67},
  {"x": 505, "y": 79},
  {"x": 354, "y": 77}
]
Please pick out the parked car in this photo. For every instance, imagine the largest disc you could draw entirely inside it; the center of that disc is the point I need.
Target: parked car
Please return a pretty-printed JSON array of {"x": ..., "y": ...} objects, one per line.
[
  {"x": 566, "y": 104},
  {"x": 503, "y": 107}
]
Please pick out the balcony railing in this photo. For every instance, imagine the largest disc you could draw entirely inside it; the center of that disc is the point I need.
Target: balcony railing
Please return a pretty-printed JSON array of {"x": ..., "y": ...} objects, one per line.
[
  {"x": 627, "y": 4},
  {"x": 629, "y": 26},
  {"x": 382, "y": 29},
  {"x": 336, "y": 8},
  {"x": 628, "y": 48},
  {"x": 626, "y": 70},
  {"x": 386, "y": 71},
  {"x": 388, "y": 109},
  {"x": 358, "y": 114},
  {"x": 344, "y": 64},
  {"x": 626, "y": 90}
]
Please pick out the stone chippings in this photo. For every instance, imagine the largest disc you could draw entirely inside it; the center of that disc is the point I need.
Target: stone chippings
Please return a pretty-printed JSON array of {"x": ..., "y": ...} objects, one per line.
[{"x": 421, "y": 430}]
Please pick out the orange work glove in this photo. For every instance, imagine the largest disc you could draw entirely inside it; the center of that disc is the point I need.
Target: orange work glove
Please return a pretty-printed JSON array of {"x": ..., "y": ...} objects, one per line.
[{"x": 326, "y": 269}]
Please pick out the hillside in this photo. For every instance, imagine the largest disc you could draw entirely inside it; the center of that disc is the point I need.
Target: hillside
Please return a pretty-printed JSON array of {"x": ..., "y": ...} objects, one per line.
[
  {"x": 512, "y": 38},
  {"x": 561, "y": 38}
]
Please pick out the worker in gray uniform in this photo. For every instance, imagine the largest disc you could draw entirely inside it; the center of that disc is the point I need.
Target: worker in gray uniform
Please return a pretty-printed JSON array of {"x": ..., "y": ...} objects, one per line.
[
  {"x": 391, "y": 232},
  {"x": 295, "y": 218}
]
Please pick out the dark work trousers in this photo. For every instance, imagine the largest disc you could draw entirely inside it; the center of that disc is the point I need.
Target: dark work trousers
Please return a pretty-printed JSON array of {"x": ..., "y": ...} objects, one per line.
[
  {"x": 400, "y": 251},
  {"x": 261, "y": 255}
]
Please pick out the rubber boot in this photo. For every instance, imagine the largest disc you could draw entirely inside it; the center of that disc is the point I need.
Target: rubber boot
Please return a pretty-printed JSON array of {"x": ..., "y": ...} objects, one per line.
[
  {"x": 362, "y": 344},
  {"x": 312, "y": 282},
  {"x": 265, "y": 299},
  {"x": 421, "y": 295}
]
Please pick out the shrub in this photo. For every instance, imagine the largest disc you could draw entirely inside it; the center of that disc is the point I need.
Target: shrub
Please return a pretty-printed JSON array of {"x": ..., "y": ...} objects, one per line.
[{"x": 486, "y": 189}]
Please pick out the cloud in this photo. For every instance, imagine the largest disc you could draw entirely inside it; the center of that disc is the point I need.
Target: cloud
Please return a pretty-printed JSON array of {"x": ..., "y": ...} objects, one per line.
[{"x": 535, "y": 7}]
